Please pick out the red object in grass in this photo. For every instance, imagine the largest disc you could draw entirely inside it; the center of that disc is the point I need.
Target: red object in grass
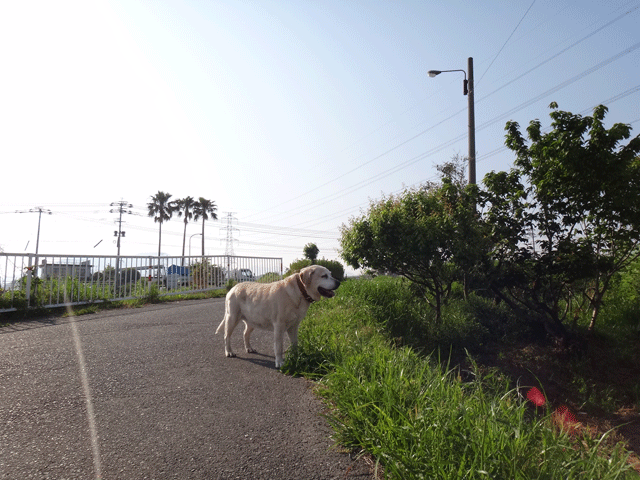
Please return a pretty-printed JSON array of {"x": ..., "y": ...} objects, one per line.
[
  {"x": 536, "y": 397},
  {"x": 564, "y": 416}
]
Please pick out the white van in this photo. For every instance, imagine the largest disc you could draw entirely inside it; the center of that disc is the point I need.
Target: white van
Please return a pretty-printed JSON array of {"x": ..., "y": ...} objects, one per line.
[{"x": 243, "y": 275}]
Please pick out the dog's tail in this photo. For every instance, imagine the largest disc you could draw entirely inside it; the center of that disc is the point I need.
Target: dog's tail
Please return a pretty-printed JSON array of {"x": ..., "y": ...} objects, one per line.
[{"x": 220, "y": 326}]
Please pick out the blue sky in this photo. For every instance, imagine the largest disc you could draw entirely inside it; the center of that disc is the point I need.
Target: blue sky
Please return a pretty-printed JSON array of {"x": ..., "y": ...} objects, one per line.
[{"x": 292, "y": 115}]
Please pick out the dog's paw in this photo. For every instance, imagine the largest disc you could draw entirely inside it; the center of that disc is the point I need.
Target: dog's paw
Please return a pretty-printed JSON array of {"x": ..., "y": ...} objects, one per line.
[
  {"x": 251, "y": 350},
  {"x": 230, "y": 354}
]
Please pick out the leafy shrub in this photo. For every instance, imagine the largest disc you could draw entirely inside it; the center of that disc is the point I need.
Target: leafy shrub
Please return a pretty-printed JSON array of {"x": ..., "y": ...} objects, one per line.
[
  {"x": 153, "y": 294},
  {"x": 269, "y": 277},
  {"x": 230, "y": 284},
  {"x": 204, "y": 274},
  {"x": 335, "y": 267},
  {"x": 129, "y": 275},
  {"x": 621, "y": 309},
  {"x": 297, "y": 265}
]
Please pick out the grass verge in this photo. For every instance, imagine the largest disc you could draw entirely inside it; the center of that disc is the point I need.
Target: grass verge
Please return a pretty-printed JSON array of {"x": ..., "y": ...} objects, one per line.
[{"x": 419, "y": 417}]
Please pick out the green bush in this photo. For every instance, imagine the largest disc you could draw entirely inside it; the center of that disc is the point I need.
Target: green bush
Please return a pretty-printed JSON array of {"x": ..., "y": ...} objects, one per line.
[
  {"x": 297, "y": 265},
  {"x": 13, "y": 299},
  {"x": 269, "y": 277},
  {"x": 470, "y": 325},
  {"x": 621, "y": 309},
  {"x": 230, "y": 284},
  {"x": 153, "y": 294},
  {"x": 203, "y": 274},
  {"x": 335, "y": 267}
]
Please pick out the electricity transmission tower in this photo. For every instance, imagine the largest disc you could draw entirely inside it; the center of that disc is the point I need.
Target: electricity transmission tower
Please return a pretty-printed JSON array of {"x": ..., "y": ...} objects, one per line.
[
  {"x": 230, "y": 228},
  {"x": 228, "y": 251}
]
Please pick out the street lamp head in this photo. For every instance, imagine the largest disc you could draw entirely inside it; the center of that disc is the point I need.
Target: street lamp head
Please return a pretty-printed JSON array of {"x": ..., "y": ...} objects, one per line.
[{"x": 467, "y": 89}]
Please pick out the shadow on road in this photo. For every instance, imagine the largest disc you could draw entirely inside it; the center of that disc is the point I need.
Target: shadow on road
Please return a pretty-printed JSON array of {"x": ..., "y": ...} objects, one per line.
[{"x": 264, "y": 360}]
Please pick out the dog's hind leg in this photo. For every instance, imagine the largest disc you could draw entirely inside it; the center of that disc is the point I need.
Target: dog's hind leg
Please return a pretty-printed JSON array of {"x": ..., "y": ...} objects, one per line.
[
  {"x": 231, "y": 319},
  {"x": 293, "y": 335},
  {"x": 228, "y": 330},
  {"x": 278, "y": 334},
  {"x": 247, "y": 338}
]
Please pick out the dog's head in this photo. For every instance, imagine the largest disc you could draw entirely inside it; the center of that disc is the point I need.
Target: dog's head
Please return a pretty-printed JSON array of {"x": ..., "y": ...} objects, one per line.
[{"x": 319, "y": 282}]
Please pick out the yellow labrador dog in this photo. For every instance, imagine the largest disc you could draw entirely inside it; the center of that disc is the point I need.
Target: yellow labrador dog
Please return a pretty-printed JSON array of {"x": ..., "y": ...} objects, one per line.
[{"x": 278, "y": 306}]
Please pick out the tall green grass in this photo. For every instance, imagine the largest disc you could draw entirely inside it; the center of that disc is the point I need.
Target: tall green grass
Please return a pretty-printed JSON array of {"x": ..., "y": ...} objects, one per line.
[{"x": 421, "y": 419}]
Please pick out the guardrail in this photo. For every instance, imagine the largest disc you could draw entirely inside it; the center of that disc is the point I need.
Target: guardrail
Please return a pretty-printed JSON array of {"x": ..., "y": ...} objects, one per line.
[{"x": 29, "y": 280}]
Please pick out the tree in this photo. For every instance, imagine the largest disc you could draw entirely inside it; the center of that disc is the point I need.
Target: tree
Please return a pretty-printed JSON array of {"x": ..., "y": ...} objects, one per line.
[
  {"x": 185, "y": 206},
  {"x": 422, "y": 234},
  {"x": 204, "y": 208},
  {"x": 297, "y": 265},
  {"x": 204, "y": 274},
  {"x": 566, "y": 218},
  {"x": 335, "y": 267},
  {"x": 311, "y": 251},
  {"x": 161, "y": 209}
]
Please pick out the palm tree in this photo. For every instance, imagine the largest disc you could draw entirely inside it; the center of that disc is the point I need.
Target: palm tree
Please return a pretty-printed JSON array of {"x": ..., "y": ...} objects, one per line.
[
  {"x": 185, "y": 206},
  {"x": 202, "y": 209},
  {"x": 161, "y": 209}
]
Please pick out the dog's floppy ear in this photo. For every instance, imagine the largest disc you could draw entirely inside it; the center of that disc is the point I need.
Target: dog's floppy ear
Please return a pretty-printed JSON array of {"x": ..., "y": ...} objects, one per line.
[{"x": 306, "y": 274}]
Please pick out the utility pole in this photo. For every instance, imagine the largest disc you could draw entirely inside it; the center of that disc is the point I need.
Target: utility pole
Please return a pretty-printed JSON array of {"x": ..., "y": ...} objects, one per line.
[
  {"x": 39, "y": 211},
  {"x": 121, "y": 208},
  {"x": 472, "y": 125},
  {"x": 34, "y": 268}
]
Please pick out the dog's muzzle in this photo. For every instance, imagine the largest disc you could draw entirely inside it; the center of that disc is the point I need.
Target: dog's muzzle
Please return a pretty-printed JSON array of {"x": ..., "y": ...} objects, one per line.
[{"x": 328, "y": 293}]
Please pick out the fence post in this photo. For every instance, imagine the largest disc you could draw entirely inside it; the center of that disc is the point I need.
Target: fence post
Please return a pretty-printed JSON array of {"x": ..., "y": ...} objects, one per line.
[{"x": 28, "y": 287}]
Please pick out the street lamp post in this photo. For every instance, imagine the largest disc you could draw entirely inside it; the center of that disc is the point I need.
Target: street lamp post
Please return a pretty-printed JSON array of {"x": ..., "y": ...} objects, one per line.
[
  {"x": 467, "y": 90},
  {"x": 195, "y": 234}
]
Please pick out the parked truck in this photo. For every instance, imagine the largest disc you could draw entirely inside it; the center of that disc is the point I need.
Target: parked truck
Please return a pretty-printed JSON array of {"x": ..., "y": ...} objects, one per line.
[{"x": 178, "y": 276}]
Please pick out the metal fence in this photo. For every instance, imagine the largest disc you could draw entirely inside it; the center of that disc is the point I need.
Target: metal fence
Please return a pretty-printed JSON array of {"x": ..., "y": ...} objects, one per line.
[{"x": 28, "y": 280}]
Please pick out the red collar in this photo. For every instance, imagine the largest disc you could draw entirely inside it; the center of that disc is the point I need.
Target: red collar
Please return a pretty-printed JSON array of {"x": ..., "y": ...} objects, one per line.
[{"x": 302, "y": 288}]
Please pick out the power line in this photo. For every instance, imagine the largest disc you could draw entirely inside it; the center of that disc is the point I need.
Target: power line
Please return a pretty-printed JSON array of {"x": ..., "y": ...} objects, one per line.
[
  {"x": 608, "y": 24},
  {"x": 505, "y": 43},
  {"x": 298, "y": 231},
  {"x": 619, "y": 17},
  {"x": 483, "y": 126},
  {"x": 39, "y": 211}
]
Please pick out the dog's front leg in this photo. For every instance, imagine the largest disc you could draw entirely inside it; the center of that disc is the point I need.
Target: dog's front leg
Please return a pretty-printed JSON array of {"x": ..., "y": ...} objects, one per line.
[{"x": 278, "y": 334}]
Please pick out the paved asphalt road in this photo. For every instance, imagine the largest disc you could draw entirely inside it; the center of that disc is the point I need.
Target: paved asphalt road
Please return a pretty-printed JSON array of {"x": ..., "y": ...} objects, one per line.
[{"x": 148, "y": 394}]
